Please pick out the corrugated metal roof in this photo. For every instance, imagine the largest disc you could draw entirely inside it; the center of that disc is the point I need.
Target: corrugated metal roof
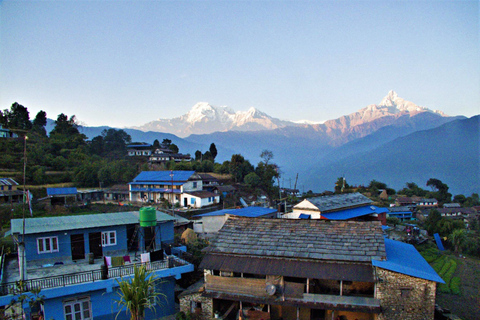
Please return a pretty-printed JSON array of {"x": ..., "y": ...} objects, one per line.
[
  {"x": 353, "y": 213},
  {"x": 289, "y": 268},
  {"x": 52, "y": 224},
  {"x": 157, "y": 176},
  {"x": 61, "y": 191},
  {"x": 8, "y": 182},
  {"x": 248, "y": 212},
  {"x": 405, "y": 259},
  {"x": 337, "y": 201}
]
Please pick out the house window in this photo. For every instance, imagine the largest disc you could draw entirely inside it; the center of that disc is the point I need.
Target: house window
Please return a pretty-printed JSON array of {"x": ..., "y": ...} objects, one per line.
[
  {"x": 192, "y": 201},
  {"x": 47, "y": 244},
  {"x": 109, "y": 238},
  {"x": 194, "y": 184},
  {"x": 78, "y": 309}
]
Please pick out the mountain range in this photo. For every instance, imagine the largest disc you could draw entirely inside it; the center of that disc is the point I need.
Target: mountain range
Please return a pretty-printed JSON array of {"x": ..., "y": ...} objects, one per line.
[{"x": 394, "y": 141}]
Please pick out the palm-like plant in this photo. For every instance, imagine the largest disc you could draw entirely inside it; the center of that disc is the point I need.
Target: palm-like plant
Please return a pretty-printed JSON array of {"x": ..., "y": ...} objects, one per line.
[
  {"x": 457, "y": 238},
  {"x": 138, "y": 293}
]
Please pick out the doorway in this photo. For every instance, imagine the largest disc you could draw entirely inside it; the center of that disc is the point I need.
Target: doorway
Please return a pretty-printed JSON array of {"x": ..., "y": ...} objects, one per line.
[
  {"x": 95, "y": 243},
  {"x": 78, "y": 246}
]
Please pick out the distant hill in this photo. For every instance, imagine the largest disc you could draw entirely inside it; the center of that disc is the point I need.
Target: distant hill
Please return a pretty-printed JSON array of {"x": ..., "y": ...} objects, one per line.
[{"x": 449, "y": 153}]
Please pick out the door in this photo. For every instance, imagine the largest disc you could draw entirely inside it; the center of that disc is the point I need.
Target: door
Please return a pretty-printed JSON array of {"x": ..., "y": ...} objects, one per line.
[
  {"x": 185, "y": 202},
  {"x": 95, "y": 243},
  {"x": 149, "y": 239},
  {"x": 78, "y": 246}
]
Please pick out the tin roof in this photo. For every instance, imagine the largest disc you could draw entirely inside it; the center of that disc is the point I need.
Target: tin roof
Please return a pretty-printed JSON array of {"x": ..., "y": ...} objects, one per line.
[
  {"x": 8, "y": 182},
  {"x": 336, "y": 201},
  {"x": 164, "y": 176},
  {"x": 405, "y": 259},
  {"x": 249, "y": 212},
  {"x": 302, "y": 239},
  {"x": 353, "y": 213},
  {"x": 52, "y": 224},
  {"x": 61, "y": 191}
]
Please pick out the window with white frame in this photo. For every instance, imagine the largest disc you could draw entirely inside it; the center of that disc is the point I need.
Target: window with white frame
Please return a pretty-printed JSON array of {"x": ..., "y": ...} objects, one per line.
[
  {"x": 109, "y": 238},
  {"x": 78, "y": 309},
  {"x": 47, "y": 244}
]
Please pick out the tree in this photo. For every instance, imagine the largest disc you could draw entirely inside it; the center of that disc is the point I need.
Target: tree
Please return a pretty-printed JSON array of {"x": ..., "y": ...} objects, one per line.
[
  {"x": 442, "y": 194},
  {"x": 138, "y": 293},
  {"x": 266, "y": 156},
  {"x": 213, "y": 151},
  {"x": 17, "y": 117},
  {"x": 252, "y": 180},
  {"x": 167, "y": 142},
  {"x": 156, "y": 144},
  {"x": 198, "y": 155},
  {"x": 40, "y": 122},
  {"x": 341, "y": 185},
  {"x": 457, "y": 238},
  {"x": 174, "y": 148}
]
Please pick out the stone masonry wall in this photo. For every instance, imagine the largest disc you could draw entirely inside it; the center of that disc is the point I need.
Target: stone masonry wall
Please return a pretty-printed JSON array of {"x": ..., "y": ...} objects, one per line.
[
  {"x": 404, "y": 297},
  {"x": 206, "y": 312}
]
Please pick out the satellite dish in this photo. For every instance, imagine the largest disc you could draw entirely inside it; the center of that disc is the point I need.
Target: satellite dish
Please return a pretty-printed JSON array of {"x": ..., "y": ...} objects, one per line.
[{"x": 271, "y": 289}]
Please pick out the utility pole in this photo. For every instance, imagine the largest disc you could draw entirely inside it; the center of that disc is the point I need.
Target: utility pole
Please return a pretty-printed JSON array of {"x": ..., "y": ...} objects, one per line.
[
  {"x": 21, "y": 245},
  {"x": 173, "y": 209}
]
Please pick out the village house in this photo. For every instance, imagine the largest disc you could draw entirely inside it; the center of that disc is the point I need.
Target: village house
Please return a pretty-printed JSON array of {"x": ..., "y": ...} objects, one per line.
[
  {"x": 77, "y": 262},
  {"x": 311, "y": 269},
  {"x": 182, "y": 187},
  {"x": 9, "y": 191},
  {"x": 139, "y": 150},
  {"x": 208, "y": 224},
  {"x": 345, "y": 206},
  {"x": 427, "y": 203},
  {"x": 6, "y": 133},
  {"x": 403, "y": 213},
  {"x": 163, "y": 155},
  {"x": 467, "y": 215}
]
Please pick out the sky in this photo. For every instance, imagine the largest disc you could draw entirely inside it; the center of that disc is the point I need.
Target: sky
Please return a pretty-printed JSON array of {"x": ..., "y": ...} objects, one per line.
[{"x": 126, "y": 63}]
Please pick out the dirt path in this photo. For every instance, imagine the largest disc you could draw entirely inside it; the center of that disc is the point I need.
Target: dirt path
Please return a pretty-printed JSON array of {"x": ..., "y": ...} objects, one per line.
[{"x": 466, "y": 305}]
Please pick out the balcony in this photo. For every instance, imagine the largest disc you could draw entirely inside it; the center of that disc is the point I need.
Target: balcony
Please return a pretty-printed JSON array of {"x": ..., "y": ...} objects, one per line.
[{"x": 75, "y": 273}]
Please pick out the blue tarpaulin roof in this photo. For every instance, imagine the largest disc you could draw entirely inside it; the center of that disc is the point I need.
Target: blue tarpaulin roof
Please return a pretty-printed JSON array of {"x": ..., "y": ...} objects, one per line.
[
  {"x": 353, "y": 213},
  {"x": 153, "y": 176},
  {"x": 405, "y": 259},
  {"x": 438, "y": 240},
  {"x": 61, "y": 191},
  {"x": 249, "y": 212}
]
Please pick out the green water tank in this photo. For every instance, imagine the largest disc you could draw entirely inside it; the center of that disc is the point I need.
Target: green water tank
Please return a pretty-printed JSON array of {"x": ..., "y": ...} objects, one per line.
[{"x": 148, "y": 217}]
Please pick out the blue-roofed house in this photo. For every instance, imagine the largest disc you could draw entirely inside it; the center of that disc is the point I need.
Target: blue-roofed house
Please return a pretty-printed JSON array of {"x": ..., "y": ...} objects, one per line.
[
  {"x": 182, "y": 187},
  {"x": 61, "y": 195},
  {"x": 64, "y": 257},
  {"x": 345, "y": 206},
  {"x": 208, "y": 224},
  {"x": 403, "y": 213},
  {"x": 315, "y": 269}
]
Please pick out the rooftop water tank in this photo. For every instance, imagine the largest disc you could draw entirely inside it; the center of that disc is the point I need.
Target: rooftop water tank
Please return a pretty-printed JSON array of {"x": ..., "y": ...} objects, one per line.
[{"x": 148, "y": 217}]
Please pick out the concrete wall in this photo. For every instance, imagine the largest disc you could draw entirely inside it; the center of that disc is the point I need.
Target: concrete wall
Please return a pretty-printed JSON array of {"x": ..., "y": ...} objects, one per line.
[{"x": 404, "y": 297}]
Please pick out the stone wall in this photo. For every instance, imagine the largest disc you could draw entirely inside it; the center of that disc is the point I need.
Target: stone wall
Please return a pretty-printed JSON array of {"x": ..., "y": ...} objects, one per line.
[
  {"x": 404, "y": 297},
  {"x": 203, "y": 313}
]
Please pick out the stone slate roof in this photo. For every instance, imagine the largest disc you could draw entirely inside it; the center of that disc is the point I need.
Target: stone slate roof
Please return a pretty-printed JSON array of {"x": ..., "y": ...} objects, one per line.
[
  {"x": 349, "y": 241},
  {"x": 338, "y": 201}
]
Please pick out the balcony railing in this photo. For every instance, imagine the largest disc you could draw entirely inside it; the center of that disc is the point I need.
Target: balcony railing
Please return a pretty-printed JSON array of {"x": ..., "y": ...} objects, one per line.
[{"x": 85, "y": 276}]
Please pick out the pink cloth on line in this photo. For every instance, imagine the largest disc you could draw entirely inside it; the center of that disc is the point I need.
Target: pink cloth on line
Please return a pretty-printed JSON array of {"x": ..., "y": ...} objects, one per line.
[
  {"x": 126, "y": 259},
  {"x": 108, "y": 261}
]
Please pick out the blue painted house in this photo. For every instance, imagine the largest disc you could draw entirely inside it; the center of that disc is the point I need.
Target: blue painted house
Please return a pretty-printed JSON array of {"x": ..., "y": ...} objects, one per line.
[{"x": 65, "y": 257}]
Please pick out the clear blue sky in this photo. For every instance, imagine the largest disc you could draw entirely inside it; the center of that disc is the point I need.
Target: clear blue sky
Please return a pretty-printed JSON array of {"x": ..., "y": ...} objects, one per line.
[{"x": 127, "y": 63}]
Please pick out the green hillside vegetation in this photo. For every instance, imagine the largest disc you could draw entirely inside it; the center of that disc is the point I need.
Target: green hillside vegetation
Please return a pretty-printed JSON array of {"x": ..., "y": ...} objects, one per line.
[{"x": 445, "y": 266}]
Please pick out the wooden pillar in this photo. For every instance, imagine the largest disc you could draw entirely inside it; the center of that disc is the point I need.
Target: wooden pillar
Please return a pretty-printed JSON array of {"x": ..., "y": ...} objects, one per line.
[
  {"x": 341, "y": 287},
  {"x": 298, "y": 313},
  {"x": 308, "y": 285}
]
